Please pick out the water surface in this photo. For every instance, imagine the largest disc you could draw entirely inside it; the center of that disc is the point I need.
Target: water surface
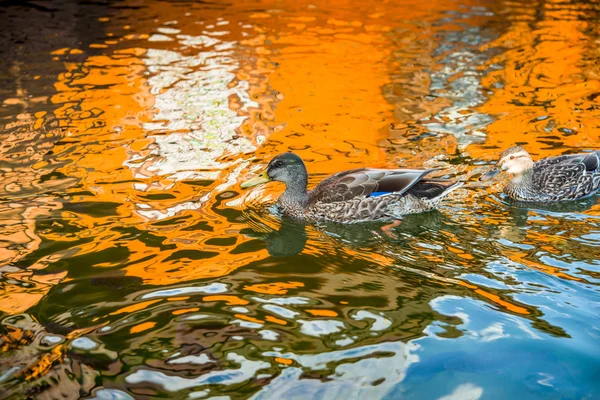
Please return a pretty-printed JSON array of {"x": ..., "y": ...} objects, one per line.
[{"x": 132, "y": 265}]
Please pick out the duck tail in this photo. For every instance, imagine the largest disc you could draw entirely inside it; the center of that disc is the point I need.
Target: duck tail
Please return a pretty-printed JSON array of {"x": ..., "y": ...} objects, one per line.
[
  {"x": 434, "y": 201},
  {"x": 450, "y": 189}
]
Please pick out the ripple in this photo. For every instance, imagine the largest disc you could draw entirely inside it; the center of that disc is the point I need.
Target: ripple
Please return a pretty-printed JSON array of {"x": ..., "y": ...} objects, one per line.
[
  {"x": 130, "y": 257},
  {"x": 284, "y": 300},
  {"x": 320, "y": 327},
  {"x": 199, "y": 359},
  {"x": 247, "y": 370},
  {"x": 284, "y": 312},
  {"x": 208, "y": 289},
  {"x": 84, "y": 343},
  {"x": 380, "y": 323},
  {"x": 373, "y": 379},
  {"x": 110, "y": 394}
]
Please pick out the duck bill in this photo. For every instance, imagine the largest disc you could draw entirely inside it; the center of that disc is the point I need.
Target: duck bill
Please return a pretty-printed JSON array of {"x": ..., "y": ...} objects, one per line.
[
  {"x": 260, "y": 179},
  {"x": 490, "y": 174}
]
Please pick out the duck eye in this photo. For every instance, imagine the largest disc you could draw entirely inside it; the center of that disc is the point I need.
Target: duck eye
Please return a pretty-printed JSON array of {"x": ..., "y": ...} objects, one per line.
[{"x": 512, "y": 157}]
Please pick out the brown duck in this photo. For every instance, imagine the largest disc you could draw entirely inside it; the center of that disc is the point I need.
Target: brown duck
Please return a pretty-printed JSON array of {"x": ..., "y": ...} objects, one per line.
[
  {"x": 552, "y": 179},
  {"x": 356, "y": 195}
]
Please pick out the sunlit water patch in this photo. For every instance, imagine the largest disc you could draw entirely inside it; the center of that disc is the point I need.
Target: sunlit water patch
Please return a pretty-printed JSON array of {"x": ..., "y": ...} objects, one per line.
[{"x": 132, "y": 265}]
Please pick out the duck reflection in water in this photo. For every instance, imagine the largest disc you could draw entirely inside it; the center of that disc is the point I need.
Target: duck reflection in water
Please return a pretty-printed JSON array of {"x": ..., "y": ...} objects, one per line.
[
  {"x": 286, "y": 241},
  {"x": 510, "y": 219},
  {"x": 292, "y": 236}
]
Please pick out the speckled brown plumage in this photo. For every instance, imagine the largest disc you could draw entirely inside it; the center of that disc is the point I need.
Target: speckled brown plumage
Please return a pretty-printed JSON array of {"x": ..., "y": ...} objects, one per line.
[
  {"x": 562, "y": 178},
  {"x": 355, "y": 195}
]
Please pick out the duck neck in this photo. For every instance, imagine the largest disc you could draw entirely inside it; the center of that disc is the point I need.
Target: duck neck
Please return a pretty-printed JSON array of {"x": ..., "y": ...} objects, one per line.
[
  {"x": 295, "y": 195},
  {"x": 524, "y": 179},
  {"x": 521, "y": 185}
]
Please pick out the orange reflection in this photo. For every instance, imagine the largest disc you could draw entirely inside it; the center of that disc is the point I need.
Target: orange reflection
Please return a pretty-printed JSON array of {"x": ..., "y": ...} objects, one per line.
[
  {"x": 248, "y": 318},
  {"x": 134, "y": 307},
  {"x": 522, "y": 258},
  {"x": 284, "y": 361},
  {"x": 229, "y": 300},
  {"x": 275, "y": 320},
  {"x": 549, "y": 84},
  {"x": 22, "y": 288},
  {"x": 185, "y": 310},
  {"x": 105, "y": 104},
  {"x": 322, "y": 65},
  {"x": 322, "y": 313},
  {"x": 142, "y": 327},
  {"x": 496, "y": 299},
  {"x": 274, "y": 287}
]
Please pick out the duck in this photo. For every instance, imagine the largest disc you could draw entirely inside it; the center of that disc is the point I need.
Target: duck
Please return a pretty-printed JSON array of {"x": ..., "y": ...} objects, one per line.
[
  {"x": 356, "y": 195},
  {"x": 549, "y": 180}
]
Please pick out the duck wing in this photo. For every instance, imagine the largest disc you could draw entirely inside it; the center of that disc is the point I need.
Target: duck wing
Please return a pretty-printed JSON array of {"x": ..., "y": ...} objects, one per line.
[
  {"x": 569, "y": 176},
  {"x": 591, "y": 161},
  {"x": 364, "y": 182}
]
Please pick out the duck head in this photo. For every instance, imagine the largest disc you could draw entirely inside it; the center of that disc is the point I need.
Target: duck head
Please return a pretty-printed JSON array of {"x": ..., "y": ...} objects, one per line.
[
  {"x": 514, "y": 161},
  {"x": 286, "y": 167}
]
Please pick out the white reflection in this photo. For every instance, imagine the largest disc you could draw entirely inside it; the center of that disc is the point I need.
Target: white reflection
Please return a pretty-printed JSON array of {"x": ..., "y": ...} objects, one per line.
[
  {"x": 159, "y": 38},
  {"x": 368, "y": 378},
  {"x": 545, "y": 380},
  {"x": 438, "y": 302},
  {"x": 493, "y": 332},
  {"x": 525, "y": 328},
  {"x": 320, "y": 327},
  {"x": 195, "y": 317},
  {"x": 192, "y": 95},
  {"x": 110, "y": 394},
  {"x": 268, "y": 334},
  {"x": 281, "y": 311},
  {"x": 50, "y": 340},
  {"x": 475, "y": 322},
  {"x": 283, "y": 300},
  {"x": 168, "y": 31},
  {"x": 193, "y": 125},
  {"x": 210, "y": 289},
  {"x": 246, "y": 371},
  {"x": 380, "y": 323},
  {"x": 247, "y": 324},
  {"x": 460, "y": 81},
  {"x": 199, "y": 359},
  {"x": 466, "y": 391},
  {"x": 344, "y": 341},
  {"x": 84, "y": 343}
]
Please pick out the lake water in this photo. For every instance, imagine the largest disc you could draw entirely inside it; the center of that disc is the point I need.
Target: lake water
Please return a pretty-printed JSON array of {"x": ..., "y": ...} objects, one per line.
[{"x": 132, "y": 265}]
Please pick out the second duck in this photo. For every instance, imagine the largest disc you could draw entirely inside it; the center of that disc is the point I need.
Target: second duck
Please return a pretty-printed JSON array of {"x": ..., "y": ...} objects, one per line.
[{"x": 553, "y": 179}]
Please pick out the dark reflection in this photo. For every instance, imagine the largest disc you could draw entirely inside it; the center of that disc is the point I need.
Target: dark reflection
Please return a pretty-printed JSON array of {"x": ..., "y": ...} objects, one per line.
[
  {"x": 291, "y": 236},
  {"x": 42, "y": 365},
  {"x": 519, "y": 211},
  {"x": 578, "y": 206},
  {"x": 31, "y": 32},
  {"x": 286, "y": 241}
]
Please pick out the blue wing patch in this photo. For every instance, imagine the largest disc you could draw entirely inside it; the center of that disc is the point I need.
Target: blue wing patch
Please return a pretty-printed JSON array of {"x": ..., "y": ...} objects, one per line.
[{"x": 375, "y": 194}]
